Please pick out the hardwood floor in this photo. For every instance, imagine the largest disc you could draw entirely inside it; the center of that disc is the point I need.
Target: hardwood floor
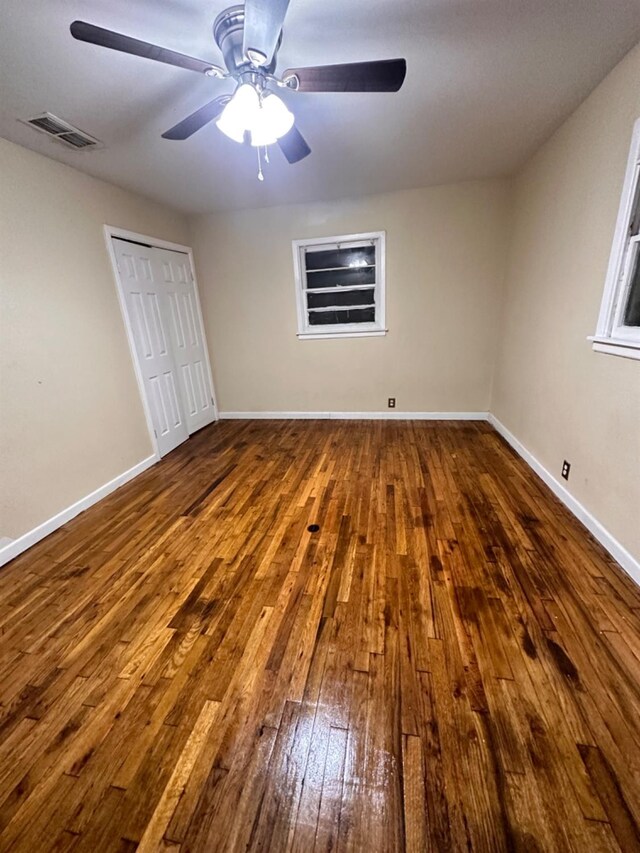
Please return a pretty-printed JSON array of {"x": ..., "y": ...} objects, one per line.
[{"x": 449, "y": 663}]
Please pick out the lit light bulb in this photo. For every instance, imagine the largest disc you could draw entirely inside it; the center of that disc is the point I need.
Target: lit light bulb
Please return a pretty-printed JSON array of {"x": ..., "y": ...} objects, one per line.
[
  {"x": 239, "y": 114},
  {"x": 272, "y": 121}
]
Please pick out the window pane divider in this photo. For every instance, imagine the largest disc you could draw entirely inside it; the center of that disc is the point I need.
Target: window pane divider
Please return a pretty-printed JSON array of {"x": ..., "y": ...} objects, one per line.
[
  {"x": 341, "y": 287},
  {"x": 341, "y": 308},
  {"x": 343, "y": 269},
  {"x": 328, "y": 246}
]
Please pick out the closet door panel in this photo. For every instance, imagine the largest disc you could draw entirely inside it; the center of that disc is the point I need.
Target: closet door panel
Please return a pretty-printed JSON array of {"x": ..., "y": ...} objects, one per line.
[
  {"x": 187, "y": 337},
  {"x": 144, "y": 297}
]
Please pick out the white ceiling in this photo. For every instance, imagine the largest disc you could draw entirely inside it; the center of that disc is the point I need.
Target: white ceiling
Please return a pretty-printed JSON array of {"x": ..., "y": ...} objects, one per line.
[{"x": 487, "y": 82}]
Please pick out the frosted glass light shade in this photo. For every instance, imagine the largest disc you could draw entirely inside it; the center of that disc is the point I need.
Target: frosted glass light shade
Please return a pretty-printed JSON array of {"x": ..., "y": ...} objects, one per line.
[
  {"x": 272, "y": 121},
  {"x": 238, "y": 116}
]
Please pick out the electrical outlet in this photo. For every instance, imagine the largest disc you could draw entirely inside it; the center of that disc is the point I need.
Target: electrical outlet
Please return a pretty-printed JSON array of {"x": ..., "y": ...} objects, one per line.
[
  {"x": 566, "y": 467},
  {"x": 392, "y": 402}
]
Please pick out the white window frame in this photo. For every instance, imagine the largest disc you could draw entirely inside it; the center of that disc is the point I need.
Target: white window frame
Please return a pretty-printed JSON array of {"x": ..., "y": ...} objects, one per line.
[
  {"x": 346, "y": 330},
  {"x": 612, "y": 336}
]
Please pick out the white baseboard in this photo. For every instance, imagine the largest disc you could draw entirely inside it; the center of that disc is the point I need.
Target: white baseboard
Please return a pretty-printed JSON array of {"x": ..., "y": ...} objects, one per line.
[
  {"x": 17, "y": 546},
  {"x": 390, "y": 415},
  {"x": 617, "y": 551}
]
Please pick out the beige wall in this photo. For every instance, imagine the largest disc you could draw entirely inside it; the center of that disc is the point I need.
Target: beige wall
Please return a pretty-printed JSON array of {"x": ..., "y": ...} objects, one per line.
[
  {"x": 558, "y": 397},
  {"x": 446, "y": 249},
  {"x": 70, "y": 412}
]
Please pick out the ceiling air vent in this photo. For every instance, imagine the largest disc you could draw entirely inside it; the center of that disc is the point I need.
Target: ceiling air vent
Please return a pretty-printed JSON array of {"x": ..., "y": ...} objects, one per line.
[{"x": 63, "y": 132}]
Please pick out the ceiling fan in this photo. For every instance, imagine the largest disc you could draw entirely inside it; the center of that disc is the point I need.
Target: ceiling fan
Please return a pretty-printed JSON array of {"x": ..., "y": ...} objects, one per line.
[{"x": 249, "y": 37}]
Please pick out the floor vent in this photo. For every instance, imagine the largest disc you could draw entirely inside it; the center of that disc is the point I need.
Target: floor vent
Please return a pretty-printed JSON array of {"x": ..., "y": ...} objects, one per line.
[{"x": 63, "y": 132}]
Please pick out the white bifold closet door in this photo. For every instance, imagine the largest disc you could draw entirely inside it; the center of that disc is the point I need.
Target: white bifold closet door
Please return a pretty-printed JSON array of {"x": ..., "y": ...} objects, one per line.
[{"x": 164, "y": 322}]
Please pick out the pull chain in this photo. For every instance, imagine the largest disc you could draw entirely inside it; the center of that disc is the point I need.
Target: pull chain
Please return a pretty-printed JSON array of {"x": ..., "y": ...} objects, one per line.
[
  {"x": 260, "y": 175},
  {"x": 266, "y": 154}
]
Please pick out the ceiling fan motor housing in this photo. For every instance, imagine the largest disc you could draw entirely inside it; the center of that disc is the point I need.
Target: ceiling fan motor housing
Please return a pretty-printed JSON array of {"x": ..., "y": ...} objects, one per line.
[{"x": 228, "y": 32}]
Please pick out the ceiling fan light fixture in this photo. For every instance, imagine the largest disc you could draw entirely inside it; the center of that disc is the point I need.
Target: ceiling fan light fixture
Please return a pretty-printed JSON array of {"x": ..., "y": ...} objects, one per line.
[
  {"x": 265, "y": 117},
  {"x": 271, "y": 122}
]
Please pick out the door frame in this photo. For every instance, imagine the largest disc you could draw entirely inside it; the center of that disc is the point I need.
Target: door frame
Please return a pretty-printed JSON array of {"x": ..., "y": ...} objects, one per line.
[{"x": 111, "y": 231}]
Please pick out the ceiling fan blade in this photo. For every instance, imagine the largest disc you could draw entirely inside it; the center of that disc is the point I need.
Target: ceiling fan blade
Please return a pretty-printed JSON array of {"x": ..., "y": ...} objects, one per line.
[
  {"x": 188, "y": 126},
  {"x": 294, "y": 146},
  {"x": 263, "y": 21},
  {"x": 385, "y": 75},
  {"x": 116, "y": 41}
]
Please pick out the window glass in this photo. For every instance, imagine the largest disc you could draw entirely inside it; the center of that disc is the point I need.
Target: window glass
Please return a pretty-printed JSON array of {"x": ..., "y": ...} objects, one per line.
[
  {"x": 341, "y": 297},
  {"x": 348, "y": 257},
  {"x": 335, "y": 318},
  {"x": 340, "y": 277},
  {"x": 632, "y": 307}
]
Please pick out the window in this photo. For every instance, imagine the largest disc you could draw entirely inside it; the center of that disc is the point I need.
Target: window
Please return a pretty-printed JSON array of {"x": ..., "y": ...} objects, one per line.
[
  {"x": 619, "y": 322},
  {"x": 340, "y": 285}
]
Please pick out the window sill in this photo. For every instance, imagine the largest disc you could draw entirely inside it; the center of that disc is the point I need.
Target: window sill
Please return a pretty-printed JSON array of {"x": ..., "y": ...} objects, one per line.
[
  {"x": 317, "y": 336},
  {"x": 616, "y": 346}
]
